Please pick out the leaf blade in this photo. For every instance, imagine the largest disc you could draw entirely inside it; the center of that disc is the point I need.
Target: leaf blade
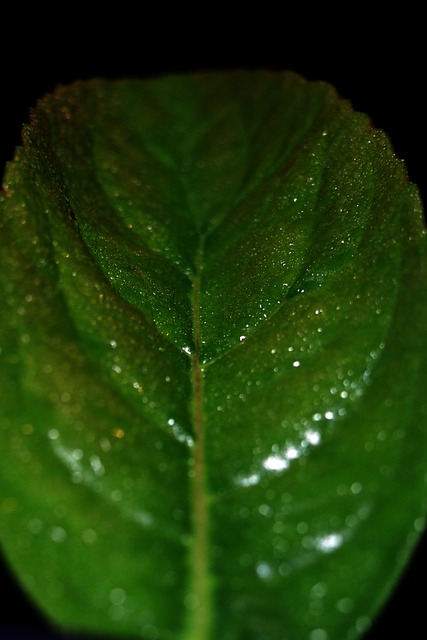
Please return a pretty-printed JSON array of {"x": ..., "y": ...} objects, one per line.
[{"x": 155, "y": 290}]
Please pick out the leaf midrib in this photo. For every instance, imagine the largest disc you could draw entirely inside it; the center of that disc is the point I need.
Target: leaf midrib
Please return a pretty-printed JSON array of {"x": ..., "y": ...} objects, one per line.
[{"x": 199, "y": 618}]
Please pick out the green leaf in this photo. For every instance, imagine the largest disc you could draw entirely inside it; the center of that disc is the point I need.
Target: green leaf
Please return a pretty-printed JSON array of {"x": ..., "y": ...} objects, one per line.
[{"x": 213, "y": 421}]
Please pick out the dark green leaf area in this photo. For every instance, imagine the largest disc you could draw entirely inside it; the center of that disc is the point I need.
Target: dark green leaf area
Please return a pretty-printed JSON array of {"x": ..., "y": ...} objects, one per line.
[{"x": 213, "y": 417}]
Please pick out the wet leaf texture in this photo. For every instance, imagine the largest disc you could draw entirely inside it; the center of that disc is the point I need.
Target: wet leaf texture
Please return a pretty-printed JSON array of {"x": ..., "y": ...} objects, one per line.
[{"x": 213, "y": 417}]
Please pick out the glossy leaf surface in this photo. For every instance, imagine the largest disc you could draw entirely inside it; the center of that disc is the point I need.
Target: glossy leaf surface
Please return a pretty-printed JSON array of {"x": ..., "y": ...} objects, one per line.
[{"x": 213, "y": 418}]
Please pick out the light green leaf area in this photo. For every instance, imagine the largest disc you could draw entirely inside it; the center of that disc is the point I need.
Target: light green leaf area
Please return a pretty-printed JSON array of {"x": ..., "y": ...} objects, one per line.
[{"x": 213, "y": 422}]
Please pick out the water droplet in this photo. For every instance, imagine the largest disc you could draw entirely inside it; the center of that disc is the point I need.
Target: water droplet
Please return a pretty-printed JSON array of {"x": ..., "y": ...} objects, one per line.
[
  {"x": 302, "y": 528},
  {"x": 278, "y": 527},
  {"x": 248, "y": 481},
  {"x": 105, "y": 444},
  {"x": 265, "y": 510},
  {"x": 356, "y": 488},
  {"x": 89, "y": 536},
  {"x": 144, "y": 518},
  {"x": 345, "y": 605},
  {"x": 264, "y": 571},
  {"x": 319, "y": 634},
  {"x": 319, "y": 590},
  {"x": 419, "y": 524},
  {"x": 362, "y": 624},
  {"x": 275, "y": 463},
  {"x": 97, "y": 466},
  {"x": 179, "y": 433},
  {"x": 351, "y": 520},
  {"x": 58, "y": 534},
  {"x": 329, "y": 542},
  {"x": 137, "y": 386},
  {"x": 35, "y": 525},
  {"x": 312, "y": 437},
  {"x": 292, "y": 453},
  {"x": 117, "y": 596}
]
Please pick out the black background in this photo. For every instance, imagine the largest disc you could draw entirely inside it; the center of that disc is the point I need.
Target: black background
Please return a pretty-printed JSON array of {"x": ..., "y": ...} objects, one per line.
[{"x": 375, "y": 61}]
